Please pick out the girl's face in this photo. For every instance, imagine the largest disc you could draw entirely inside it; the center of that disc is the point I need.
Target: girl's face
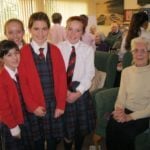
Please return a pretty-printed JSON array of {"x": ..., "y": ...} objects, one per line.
[
  {"x": 12, "y": 59},
  {"x": 140, "y": 55},
  {"x": 39, "y": 31},
  {"x": 74, "y": 31},
  {"x": 14, "y": 32}
]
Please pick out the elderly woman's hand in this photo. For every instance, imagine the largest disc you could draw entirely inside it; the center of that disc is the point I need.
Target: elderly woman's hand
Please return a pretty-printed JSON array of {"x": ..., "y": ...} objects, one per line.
[
  {"x": 120, "y": 116},
  {"x": 128, "y": 118}
]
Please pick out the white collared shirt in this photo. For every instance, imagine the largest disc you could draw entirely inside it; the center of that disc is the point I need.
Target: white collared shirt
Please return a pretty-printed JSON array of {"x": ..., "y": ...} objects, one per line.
[
  {"x": 84, "y": 68},
  {"x": 11, "y": 72},
  {"x": 20, "y": 45},
  {"x": 36, "y": 47}
]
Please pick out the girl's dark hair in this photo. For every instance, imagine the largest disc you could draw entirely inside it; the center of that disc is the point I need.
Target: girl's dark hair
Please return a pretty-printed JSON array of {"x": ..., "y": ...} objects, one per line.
[
  {"x": 77, "y": 18},
  {"x": 137, "y": 21},
  {"x": 56, "y": 18},
  {"x": 85, "y": 18},
  {"x": 6, "y": 46},
  {"x": 38, "y": 16}
]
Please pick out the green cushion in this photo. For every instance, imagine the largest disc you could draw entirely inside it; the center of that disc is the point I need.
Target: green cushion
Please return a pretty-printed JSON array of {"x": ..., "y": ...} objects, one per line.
[
  {"x": 143, "y": 141},
  {"x": 107, "y": 62},
  {"x": 104, "y": 107}
]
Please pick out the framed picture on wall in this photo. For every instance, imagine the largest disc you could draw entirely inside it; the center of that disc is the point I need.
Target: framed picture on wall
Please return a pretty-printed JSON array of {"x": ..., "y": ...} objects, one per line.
[
  {"x": 108, "y": 11},
  {"x": 128, "y": 14},
  {"x": 143, "y": 2}
]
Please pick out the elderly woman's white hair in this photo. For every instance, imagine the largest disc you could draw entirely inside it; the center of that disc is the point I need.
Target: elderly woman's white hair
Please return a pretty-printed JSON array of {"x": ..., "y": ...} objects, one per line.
[
  {"x": 142, "y": 40},
  {"x": 101, "y": 35}
]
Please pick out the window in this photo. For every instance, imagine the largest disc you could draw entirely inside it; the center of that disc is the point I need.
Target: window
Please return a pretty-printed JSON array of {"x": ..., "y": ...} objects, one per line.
[{"x": 22, "y": 9}]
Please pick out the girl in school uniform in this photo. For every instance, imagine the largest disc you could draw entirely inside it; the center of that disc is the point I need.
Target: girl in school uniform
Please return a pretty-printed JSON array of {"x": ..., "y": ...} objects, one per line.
[
  {"x": 79, "y": 116},
  {"x": 43, "y": 79},
  {"x": 14, "y": 31},
  {"x": 13, "y": 118}
]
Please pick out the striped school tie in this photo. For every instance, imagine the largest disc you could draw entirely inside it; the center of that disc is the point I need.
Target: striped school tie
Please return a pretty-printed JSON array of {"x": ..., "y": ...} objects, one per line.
[
  {"x": 17, "y": 77},
  {"x": 41, "y": 55},
  {"x": 71, "y": 65}
]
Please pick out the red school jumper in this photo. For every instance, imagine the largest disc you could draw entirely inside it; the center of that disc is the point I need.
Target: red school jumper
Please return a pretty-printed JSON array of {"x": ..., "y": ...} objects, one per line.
[
  {"x": 10, "y": 106},
  {"x": 30, "y": 81}
]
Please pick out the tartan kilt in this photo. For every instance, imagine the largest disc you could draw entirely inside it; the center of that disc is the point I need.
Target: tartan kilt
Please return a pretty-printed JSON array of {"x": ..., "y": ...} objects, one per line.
[
  {"x": 46, "y": 127},
  {"x": 80, "y": 116},
  {"x": 12, "y": 143}
]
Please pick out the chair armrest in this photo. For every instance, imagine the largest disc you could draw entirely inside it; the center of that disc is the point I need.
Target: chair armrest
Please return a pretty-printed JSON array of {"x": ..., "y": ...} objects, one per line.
[{"x": 104, "y": 106}]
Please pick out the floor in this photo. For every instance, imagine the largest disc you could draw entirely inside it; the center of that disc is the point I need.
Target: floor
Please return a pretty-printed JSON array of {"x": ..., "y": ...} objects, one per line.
[{"x": 88, "y": 145}]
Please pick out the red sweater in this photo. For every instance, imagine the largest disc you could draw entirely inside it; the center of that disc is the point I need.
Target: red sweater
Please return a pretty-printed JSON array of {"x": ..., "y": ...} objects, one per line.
[
  {"x": 10, "y": 106},
  {"x": 30, "y": 81}
]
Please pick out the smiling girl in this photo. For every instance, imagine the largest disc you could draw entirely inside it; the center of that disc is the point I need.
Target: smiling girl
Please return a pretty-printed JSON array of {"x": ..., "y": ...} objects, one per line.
[
  {"x": 43, "y": 78},
  {"x": 12, "y": 107},
  {"x": 14, "y": 30},
  {"x": 79, "y": 117}
]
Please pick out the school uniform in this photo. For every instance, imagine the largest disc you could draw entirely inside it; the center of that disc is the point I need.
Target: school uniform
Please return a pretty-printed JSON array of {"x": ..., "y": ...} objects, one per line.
[
  {"x": 79, "y": 116},
  {"x": 13, "y": 113},
  {"x": 43, "y": 84}
]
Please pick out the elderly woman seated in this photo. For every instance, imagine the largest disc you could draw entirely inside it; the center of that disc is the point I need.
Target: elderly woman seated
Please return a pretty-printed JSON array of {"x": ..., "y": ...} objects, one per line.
[
  {"x": 132, "y": 108},
  {"x": 100, "y": 44}
]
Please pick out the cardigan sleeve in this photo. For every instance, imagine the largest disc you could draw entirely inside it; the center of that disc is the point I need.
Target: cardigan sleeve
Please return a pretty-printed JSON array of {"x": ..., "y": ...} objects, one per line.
[
  {"x": 26, "y": 91},
  {"x": 25, "y": 83},
  {"x": 5, "y": 109},
  {"x": 60, "y": 81}
]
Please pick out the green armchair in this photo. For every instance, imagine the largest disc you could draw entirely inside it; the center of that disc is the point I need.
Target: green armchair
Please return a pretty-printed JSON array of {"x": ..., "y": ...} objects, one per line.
[
  {"x": 107, "y": 62},
  {"x": 104, "y": 102},
  {"x": 127, "y": 59},
  {"x": 104, "y": 106}
]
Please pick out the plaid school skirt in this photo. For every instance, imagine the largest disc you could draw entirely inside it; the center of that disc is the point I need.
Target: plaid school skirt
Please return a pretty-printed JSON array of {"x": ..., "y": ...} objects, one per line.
[
  {"x": 12, "y": 143},
  {"x": 80, "y": 117},
  {"x": 47, "y": 127}
]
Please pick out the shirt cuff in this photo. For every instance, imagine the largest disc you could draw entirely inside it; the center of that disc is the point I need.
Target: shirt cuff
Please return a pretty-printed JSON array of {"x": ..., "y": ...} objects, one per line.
[
  {"x": 15, "y": 131},
  {"x": 81, "y": 89}
]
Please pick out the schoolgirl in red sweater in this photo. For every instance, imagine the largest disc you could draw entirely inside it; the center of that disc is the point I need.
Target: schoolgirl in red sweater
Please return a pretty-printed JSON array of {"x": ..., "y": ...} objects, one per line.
[
  {"x": 43, "y": 79},
  {"x": 13, "y": 112}
]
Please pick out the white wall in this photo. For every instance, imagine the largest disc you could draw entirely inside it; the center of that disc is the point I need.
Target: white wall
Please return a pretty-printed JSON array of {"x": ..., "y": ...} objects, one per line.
[{"x": 131, "y": 4}]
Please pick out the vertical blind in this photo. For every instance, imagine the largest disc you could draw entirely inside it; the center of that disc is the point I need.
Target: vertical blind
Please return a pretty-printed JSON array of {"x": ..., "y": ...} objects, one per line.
[{"x": 22, "y": 9}]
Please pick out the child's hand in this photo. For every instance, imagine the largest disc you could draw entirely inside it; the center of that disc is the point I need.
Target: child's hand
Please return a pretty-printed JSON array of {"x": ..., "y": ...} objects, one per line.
[
  {"x": 58, "y": 113},
  {"x": 40, "y": 111},
  {"x": 73, "y": 96}
]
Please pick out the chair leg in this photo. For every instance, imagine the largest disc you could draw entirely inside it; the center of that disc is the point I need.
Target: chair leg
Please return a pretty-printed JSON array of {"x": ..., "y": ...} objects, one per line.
[{"x": 97, "y": 140}]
